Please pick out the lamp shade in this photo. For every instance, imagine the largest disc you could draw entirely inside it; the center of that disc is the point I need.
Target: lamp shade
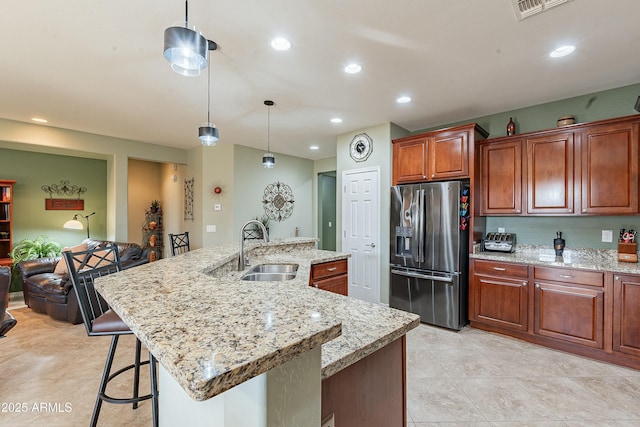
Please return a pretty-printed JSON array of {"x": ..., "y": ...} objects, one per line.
[
  {"x": 73, "y": 224},
  {"x": 268, "y": 160},
  {"x": 186, "y": 50},
  {"x": 208, "y": 134}
]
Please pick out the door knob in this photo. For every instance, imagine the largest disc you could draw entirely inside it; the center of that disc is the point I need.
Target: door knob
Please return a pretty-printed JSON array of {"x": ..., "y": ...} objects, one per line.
[{"x": 373, "y": 245}]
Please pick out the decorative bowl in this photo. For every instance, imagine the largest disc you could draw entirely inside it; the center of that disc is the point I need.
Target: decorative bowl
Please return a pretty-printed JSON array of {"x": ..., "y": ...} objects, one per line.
[{"x": 566, "y": 120}]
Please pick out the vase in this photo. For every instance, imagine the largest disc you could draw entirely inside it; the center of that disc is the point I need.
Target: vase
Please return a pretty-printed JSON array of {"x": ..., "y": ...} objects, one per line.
[
  {"x": 152, "y": 240},
  {"x": 511, "y": 127},
  {"x": 152, "y": 256}
]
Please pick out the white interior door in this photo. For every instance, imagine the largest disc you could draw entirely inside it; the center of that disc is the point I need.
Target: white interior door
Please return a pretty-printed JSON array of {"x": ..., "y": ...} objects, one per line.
[{"x": 361, "y": 231}]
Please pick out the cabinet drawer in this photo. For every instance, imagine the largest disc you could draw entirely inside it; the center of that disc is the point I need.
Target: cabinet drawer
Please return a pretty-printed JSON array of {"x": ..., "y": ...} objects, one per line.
[
  {"x": 496, "y": 268},
  {"x": 338, "y": 284},
  {"x": 328, "y": 269},
  {"x": 568, "y": 275}
]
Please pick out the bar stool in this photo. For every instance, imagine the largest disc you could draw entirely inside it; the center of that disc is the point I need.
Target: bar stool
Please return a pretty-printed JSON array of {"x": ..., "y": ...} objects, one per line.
[
  {"x": 100, "y": 320},
  {"x": 179, "y": 243}
]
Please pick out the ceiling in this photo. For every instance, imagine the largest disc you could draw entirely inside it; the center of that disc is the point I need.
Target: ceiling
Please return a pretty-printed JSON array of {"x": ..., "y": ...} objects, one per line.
[{"x": 97, "y": 66}]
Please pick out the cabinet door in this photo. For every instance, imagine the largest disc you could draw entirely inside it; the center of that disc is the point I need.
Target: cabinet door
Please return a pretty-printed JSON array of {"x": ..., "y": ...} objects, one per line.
[
  {"x": 570, "y": 313},
  {"x": 501, "y": 178},
  {"x": 449, "y": 155},
  {"x": 626, "y": 314},
  {"x": 337, "y": 284},
  {"x": 550, "y": 174},
  {"x": 610, "y": 169},
  {"x": 500, "y": 301},
  {"x": 410, "y": 160}
]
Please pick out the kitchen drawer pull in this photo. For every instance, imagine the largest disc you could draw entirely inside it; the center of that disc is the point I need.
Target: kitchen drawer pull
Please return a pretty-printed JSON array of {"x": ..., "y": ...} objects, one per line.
[
  {"x": 315, "y": 285},
  {"x": 524, "y": 283},
  {"x": 538, "y": 285},
  {"x": 499, "y": 268},
  {"x": 332, "y": 269},
  {"x": 566, "y": 276}
]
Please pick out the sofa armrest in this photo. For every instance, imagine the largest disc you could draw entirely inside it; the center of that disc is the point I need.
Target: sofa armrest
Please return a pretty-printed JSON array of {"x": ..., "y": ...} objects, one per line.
[{"x": 37, "y": 266}]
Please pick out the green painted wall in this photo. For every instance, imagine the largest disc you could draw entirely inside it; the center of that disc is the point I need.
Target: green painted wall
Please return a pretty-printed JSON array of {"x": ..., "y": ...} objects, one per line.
[
  {"x": 250, "y": 180},
  {"x": 33, "y": 170},
  {"x": 585, "y": 231}
]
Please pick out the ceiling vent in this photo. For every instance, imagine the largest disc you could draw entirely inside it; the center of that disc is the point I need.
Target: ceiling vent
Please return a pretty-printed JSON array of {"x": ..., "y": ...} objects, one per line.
[{"x": 527, "y": 8}]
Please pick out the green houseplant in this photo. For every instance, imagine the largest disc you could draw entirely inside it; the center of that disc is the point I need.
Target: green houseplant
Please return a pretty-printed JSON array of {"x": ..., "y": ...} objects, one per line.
[
  {"x": 40, "y": 247},
  {"x": 155, "y": 205}
]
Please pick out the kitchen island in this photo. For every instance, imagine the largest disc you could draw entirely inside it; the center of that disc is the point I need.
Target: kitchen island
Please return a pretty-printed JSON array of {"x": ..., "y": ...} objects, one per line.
[{"x": 212, "y": 332}]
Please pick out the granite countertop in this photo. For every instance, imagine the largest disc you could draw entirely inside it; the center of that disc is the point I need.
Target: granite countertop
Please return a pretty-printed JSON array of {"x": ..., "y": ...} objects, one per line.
[
  {"x": 212, "y": 331},
  {"x": 582, "y": 258}
]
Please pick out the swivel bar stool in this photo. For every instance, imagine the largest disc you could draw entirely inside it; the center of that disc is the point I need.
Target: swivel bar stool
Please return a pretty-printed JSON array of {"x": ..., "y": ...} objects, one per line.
[{"x": 100, "y": 320}]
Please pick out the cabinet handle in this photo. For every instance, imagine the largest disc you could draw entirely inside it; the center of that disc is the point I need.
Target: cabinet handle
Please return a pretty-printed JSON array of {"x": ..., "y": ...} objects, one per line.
[
  {"x": 566, "y": 276},
  {"x": 617, "y": 277},
  {"x": 538, "y": 285},
  {"x": 517, "y": 210},
  {"x": 433, "y": 176},
  {"x": 524, "y": 284},
  {"x": 315, "y": 285},
  {"x": 499, "y": 268},
  {"x": 332, "y": 269},
  {"x": 584, "y": 210}
]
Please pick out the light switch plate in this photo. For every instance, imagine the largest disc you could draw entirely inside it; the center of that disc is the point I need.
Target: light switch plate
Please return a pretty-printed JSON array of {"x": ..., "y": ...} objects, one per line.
[
  {"x": 217, "y": 207},
  {"x": 607, "y": 235},
  {"x": 211, "y": 228}
]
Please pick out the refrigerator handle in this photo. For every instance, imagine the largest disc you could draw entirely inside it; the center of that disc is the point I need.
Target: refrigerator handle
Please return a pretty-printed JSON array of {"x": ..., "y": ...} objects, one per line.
[
  {"x": 422, "y": 276},
  {"x": 422, "y": 220}
]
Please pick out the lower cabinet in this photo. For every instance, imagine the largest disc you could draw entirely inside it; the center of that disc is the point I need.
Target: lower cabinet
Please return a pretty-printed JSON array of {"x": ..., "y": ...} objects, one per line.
[
  {"x": 626, "y": 314},
  {"x": 592, "y": 313},
  {"x": 331, "y": 276},
  {"x": 500, "y": 294}
]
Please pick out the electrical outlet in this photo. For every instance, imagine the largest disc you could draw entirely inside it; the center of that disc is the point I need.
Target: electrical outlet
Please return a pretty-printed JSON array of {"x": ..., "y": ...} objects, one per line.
[
  {"x": 607, "y": 235},
  {"x": 328, "y": 422},
  {"x": 500, "y": 229}
]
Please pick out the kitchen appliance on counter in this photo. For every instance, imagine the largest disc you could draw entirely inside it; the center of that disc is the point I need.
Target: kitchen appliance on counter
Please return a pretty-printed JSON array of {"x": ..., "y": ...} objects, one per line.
[
  {"x": 429, "y": 251},
  {"x": 499, "y": 242}
]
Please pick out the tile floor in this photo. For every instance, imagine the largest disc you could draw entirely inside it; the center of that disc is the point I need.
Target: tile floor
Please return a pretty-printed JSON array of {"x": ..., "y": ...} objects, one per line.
[{"x": 469, "y": 378}]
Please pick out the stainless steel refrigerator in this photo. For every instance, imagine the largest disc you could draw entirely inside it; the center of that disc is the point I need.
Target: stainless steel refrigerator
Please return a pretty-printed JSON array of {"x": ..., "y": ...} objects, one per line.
[{"x": 429, "y": 251}]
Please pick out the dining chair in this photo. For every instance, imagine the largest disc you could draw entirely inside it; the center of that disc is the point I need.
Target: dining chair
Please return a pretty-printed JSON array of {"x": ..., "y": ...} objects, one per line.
[{"x": 179, "y": 243}]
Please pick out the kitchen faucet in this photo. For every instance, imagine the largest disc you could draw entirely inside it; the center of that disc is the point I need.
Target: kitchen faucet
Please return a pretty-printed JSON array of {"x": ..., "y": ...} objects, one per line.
[{"x": 244, "y": 262}]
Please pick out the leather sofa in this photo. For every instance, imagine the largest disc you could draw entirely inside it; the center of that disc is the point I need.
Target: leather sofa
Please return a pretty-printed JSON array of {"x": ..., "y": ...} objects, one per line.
[
  {"x": 6, "y": 319},
  {"x": 49, "y": 291}
]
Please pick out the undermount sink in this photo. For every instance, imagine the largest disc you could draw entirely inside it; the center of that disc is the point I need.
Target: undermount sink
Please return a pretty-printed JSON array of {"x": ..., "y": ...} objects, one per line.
[{"x": 271, "y": 273}]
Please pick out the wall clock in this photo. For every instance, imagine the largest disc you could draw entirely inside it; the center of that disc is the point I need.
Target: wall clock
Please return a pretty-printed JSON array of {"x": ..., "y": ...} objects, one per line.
[{"x": 361, "y": 147}]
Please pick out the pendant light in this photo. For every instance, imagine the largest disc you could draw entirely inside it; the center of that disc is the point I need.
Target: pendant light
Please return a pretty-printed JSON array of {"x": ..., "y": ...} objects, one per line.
[
  {"x": 208, "y": 133},
  {"x": 185, "y": 48},
  {"x": 268, "y": 160}
]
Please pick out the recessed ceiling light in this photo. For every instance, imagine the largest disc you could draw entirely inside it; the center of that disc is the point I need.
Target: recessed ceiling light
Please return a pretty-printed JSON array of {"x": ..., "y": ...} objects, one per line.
[
  {"x": 403, "y": 99},
  {"x": 352, "y": 68},
  {"x": 280, "y": 43},
  {"x": 314, "y": 147},
  {"x": 336, "y": 120},
  {"x": 562, "y": 51},
  {"x": 39, "y": 120}
]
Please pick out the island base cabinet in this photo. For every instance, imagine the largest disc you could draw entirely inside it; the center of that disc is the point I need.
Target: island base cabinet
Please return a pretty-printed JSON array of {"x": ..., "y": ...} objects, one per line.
[
  {"x": 371, "y": 392},
  {"x": 571, "y": 314},
  {"x": 285, "y": 396},
  {"x": 626, "y": 319}
]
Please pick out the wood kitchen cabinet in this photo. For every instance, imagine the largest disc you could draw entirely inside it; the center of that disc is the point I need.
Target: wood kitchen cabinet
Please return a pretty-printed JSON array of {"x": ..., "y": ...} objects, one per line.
[
  {"x": 569, "y": 305},
  {"x": 439, "y": 155},
  {"x": 331, "y": 276},
  {"x": 501, "y": 178},
  {"x": 499, "y": 294},
  {"x": 610, "y": 168},
  {"x": 550, "y": 174},
  {"x": 410, "y": 160},
  {"x": 626, "y": 314}
]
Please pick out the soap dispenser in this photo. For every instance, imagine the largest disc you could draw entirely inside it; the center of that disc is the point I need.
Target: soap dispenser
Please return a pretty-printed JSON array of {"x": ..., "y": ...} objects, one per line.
[{"x": 558, "y": 243}]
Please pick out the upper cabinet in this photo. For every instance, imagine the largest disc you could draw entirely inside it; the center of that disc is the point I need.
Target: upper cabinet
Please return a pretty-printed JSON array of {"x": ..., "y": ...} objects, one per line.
[
  {"x": 610, "y": 168},
  {"x": 439, "y": 155},
  {"x": 550, "y": 174},
  {"x": 501, "y": 178},
  {"x": 589, "y": 168}
]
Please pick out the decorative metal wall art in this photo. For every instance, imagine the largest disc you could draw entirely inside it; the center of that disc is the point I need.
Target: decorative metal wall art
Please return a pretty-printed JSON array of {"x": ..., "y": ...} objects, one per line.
[
  {"x": 64, "y": 189},
  {"x": 188, "y": 199},
  {"x": 278, "y": 201}
]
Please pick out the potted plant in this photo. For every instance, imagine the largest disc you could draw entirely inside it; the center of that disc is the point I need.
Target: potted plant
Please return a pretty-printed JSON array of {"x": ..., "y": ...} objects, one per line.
[
  {"x": 155, "y": 205},
  {"x": 40, "y": 247}
]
